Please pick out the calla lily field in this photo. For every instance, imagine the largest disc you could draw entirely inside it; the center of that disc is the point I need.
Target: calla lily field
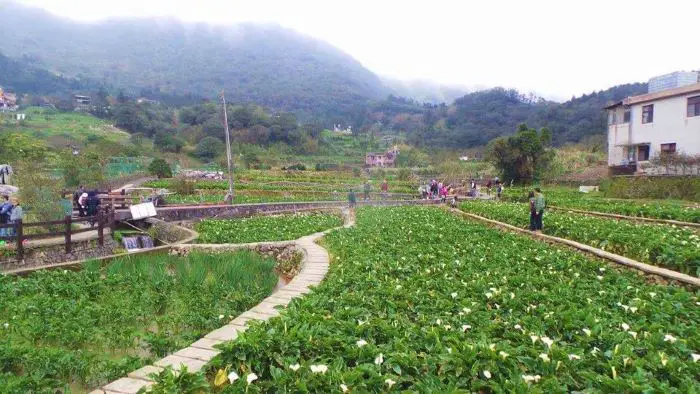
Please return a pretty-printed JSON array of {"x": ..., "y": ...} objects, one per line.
[{"x": 420, "y": 300}]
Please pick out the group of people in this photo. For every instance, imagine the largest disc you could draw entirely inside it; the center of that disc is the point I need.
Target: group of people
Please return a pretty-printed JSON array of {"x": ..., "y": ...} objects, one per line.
[
  {"x": 434, "y": 190},
  {"x": 86, "y": 202},
  {"x": 10, "y": 212},
  {"x": 537, "y": 205}
]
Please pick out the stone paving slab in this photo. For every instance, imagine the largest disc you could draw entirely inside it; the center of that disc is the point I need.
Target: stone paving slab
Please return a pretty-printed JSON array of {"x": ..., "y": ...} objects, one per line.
[
  {"x": 127, "y": 385},
  {"x": 142, "y": 373},
  {"x": 225, "y": 333},
  {"x": 197, "y": 353},
  {"x": 206, "y": 343},
  {"x": 176, "y": 362},
  {"x": 98, "y": 391}
]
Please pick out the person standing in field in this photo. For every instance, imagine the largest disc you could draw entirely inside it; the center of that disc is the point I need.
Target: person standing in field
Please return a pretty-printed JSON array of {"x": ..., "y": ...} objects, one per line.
[
  {"x": 499, "y": 189},
  {"x": 5, "y": 209},
  {"x": 385, "y": 189},
  {"x": 16, "y": 214},
  {"x": 366, "y": 190},
  {"x": 92, "y": 203},
  {"x": 352, "y": 199},
  {"x": 540, "y": 204},
  {"x": 533, "y": 212}
]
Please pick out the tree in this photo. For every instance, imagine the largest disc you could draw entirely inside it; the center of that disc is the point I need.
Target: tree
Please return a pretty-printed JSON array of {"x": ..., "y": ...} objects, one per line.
[
  {"x": 209, "y": 147},
  {"x": 521, "y": 157},
  {"x": 168, "y": 142},
  {"x": 160, "y": 168}
]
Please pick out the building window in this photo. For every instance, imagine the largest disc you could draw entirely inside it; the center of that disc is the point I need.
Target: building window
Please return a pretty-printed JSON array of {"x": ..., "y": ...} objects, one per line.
[
  {"x": 627, "y": 116},
  {"x": 613, "y": 117},
  {"x": 693, "y": 106},
  {"x": 648, "y": 113},
  {"x": 668, "y": 148}
]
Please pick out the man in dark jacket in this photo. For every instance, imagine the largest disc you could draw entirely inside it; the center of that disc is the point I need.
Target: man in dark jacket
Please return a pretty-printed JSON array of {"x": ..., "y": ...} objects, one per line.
[
  {"x": 5, "y": 209},
  {"x": 92, "y": 205}
]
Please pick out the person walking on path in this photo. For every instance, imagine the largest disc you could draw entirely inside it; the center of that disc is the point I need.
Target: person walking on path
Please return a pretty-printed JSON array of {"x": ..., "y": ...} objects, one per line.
[
  {"x": 5, "y": 208},
  {"x": 352, "y": 199},
  {"x": 540, "y": 204},
  {"x": 533, "y": 212},
  {"x": 385, "y": 189},
  {"x": 76, "y": 199},
  {"x": 366, "y": 190},
  {"x": 488, "y": 188},
  {"x": 16, "y": 214},
  {"x": 499, "y": 189}
]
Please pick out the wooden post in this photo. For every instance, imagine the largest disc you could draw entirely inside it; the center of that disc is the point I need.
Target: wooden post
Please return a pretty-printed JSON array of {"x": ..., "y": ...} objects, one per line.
[
  {"x": 68, "y": 220},
  {"x": 112, "y": 221},
  {"x": 100, "y": 228},
  {"x": 19, "y": 235}
]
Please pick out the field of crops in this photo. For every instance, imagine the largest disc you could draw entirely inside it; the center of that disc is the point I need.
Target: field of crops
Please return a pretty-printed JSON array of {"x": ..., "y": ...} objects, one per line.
[
  {"x": 420, "y": 300},
  {"x": 265, "y": 228},
  {"x": 571, "y": 198},
  {"x": 66, "y": 330},
  {"x": 673, "y": 247}
]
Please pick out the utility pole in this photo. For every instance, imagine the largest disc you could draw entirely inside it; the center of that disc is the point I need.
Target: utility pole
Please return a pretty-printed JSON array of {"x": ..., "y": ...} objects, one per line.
[{"x": 229, "y": 196}]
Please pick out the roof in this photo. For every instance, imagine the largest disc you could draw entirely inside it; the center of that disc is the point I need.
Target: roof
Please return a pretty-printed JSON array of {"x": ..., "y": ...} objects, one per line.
[{"x": 683, "y": 90}]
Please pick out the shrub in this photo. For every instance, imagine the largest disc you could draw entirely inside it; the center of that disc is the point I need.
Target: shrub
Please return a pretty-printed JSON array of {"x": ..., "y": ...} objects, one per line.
[
  {"x": 209, "y": 147},
  {"x": 655, "y": 187},
  {"x": 184, "y": 186},
  {"x": 297, "y": 167},
  {"x": 160, "y": 168}
]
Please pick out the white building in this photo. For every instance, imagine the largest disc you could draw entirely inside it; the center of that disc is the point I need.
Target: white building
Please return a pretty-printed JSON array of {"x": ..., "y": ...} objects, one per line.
[{"x": 644, "y": 126}]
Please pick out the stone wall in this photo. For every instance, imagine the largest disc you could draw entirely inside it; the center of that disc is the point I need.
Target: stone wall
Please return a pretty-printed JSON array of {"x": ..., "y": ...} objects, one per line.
[
  {"x": 40, "y": 256},
  {"x": 185, "y": 213}
]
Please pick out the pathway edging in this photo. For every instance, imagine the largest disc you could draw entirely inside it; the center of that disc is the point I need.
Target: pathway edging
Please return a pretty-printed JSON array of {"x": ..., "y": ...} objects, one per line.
[
  {"x": 315, "y": 266},
  {"x": 632, "y": 218}
]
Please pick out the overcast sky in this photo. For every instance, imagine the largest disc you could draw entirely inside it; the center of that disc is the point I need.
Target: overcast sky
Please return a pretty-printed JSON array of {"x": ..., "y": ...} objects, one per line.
[{"x": 555, "y": 48}]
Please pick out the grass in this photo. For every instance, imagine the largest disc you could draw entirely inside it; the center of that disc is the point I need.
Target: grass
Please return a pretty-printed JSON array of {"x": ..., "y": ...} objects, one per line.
[
  {"x": 265, "y": 228},
  {"x": 88, "y": 327}
]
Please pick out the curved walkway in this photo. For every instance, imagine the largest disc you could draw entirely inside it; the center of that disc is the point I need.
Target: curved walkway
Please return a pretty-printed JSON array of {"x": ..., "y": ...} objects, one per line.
[
  {"x": 196, "y": 356},
  {"x": 650, "y": 269}
]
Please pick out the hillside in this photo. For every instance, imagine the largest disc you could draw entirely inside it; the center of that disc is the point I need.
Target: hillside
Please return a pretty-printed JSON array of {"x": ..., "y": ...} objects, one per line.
[
  {"x": 264, "y": 64},
  {"x": 20, "y": 76},
  {"x": 476, "y": 118}
]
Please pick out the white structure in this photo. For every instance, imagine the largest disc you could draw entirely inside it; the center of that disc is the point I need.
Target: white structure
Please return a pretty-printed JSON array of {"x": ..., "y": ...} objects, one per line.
[
  {"x": 641, "y": 127},
  {"x": 673, "y": 80}
]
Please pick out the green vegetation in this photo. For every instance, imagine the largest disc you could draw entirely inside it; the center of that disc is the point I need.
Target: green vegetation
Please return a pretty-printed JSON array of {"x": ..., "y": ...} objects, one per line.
[
  {"x": 160, "y": 168},
  {"x": 265, "y": 228},
  {"x": 420, "y": 300},
  {"x": 81, "y": 329},
  {"x": 522, "y": 157},
  {"x": 564, "y": 197},
  {"x": 681, "y": 188},
  {"x": 673, "y": 247}
]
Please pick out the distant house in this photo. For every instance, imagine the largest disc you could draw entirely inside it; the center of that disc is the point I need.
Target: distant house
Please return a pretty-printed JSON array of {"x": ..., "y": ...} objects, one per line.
[
  {"x": 665, "y": 120},
  {"x": 385, "y": 159},
  {"x": 8, "y": 101},
  {"x": 81, "y": 103}
]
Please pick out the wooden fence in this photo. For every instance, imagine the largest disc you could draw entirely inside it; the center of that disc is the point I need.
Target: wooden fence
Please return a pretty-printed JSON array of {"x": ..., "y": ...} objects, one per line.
[{"x": 99, "y": 222}]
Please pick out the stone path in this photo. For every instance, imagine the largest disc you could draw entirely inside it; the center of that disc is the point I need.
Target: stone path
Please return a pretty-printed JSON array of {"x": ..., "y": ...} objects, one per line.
[{"x": 197, "y": 355}]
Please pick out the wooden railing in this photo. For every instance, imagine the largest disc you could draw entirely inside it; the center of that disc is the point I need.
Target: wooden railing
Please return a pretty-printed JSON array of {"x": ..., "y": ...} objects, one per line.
[{"x": 104, "y": 218}]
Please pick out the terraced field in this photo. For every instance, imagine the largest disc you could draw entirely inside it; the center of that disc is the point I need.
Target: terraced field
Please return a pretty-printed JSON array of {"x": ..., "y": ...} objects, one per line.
[{"x": 420, "y": 300}]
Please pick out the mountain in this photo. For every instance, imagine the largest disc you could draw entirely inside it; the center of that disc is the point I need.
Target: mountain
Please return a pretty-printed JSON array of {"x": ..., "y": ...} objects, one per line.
[
  {"x": 426, "y": 91},
  {"x": 476, "y": 118},
  {"x": 19, "y": 76},
  {"x": 264, "y": 64}
]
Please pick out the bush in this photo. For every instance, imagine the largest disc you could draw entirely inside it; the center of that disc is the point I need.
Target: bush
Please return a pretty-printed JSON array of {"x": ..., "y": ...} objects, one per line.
[
  {"x": 184, "y": 186},
  {"x": 297, "y": 167},
  {"x": 209, "y": 147},
  {"x": 404, "y": 174},
  {"x": 327, "y": 166},
  {"x": 160, "y": 168},
  {"x": 654, "y": 187}
]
